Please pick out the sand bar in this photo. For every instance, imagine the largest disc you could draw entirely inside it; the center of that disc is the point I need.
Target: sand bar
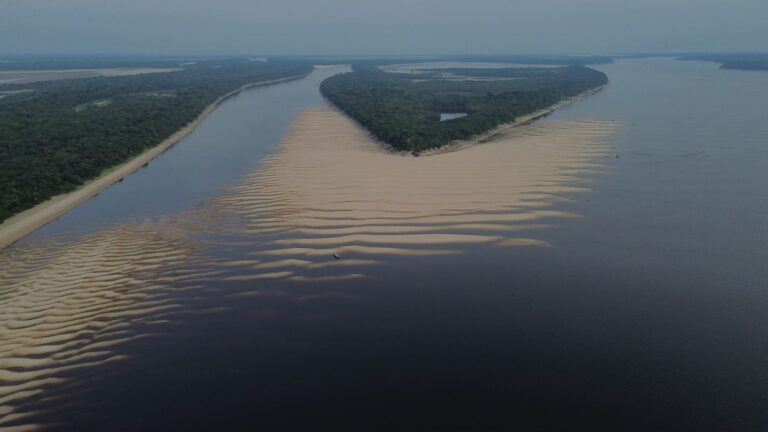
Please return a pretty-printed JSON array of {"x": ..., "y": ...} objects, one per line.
[
  {"x": 68, "y": 305},
  {"x": 502, "y": 128},
  {"x": 332, "y": 189},
  {"x": 31, "y": 76}
]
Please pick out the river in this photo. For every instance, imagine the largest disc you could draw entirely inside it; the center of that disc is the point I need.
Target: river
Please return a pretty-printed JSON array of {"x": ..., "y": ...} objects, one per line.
[{"x": 603, "y": 268}]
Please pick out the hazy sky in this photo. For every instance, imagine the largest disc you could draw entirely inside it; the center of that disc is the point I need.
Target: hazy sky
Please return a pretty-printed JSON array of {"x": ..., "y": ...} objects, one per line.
[{"x": 381, "y": 27}]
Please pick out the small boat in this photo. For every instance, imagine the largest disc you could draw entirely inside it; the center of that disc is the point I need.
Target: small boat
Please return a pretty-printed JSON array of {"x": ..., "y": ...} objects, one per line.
[{"x": 337, "y": 256}]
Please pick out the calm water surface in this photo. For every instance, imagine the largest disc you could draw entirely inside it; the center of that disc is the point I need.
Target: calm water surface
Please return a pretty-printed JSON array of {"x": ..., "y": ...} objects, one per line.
[
  {"x": 217, "y": 154},
  {"x": 647, "y": 312}
]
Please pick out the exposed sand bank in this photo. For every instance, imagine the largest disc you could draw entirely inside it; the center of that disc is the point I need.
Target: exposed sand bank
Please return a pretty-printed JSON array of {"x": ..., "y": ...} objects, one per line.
[
  {"x": 523, "y": 120},
  {"x": 24, "y": 223},
  {"x": 332, "y": 189},
  {"x": 30, "y": 76},
  {"x": 66, "y": 305}
]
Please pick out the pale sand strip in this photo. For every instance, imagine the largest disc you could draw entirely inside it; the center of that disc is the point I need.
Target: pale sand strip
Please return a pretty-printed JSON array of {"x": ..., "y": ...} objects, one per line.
[
  {"x": 331, "y": 192},
  {"x": 66, "y": 307},
  {"x": 501, "y": 129},
  {"x": 20, "y": 225}
]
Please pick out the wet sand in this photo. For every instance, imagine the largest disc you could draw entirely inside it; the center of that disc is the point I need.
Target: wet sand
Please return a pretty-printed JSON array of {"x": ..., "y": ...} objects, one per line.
[
  {"x": 24, "y": 223},
  {"x": 332, "y": 189},
  {"x": 499, "y": 130},
  {"x": 68, "y": 305},
  {"x": 65, "y": 306}
]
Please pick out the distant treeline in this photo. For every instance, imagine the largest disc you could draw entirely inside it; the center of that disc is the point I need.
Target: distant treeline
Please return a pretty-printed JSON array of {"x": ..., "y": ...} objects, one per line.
[
  {"x": 538, "y": 59},
  {"x": 56, "y": 135},
  {"x": 530, "y": 59},
  {"x": 23, "y": 63},
  {"x": 756, "y": 61},
  {"x": 403, "y": 110}
]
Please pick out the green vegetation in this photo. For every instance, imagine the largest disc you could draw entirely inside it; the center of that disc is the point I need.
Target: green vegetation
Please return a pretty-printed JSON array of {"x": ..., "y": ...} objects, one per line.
[
  {"x": 65, "y": 62},
  {"x": 756, "y": 61},
  {"x": 403, "y": 110},
  {"x": 530, "y": 59},
  {"x": 56, "y": 135},
  {"x": 540, "y": 59}
]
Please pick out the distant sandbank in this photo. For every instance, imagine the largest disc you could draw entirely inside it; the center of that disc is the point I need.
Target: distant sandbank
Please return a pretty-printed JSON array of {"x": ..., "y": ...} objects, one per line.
[{"x": 30, "y": 76}]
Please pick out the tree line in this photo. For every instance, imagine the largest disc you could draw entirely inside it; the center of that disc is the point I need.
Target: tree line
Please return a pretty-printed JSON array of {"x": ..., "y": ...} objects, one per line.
[
  {"x": 403, "y": 109},
  {"x": 56, "y": 135},
  {"x": 744, "y": 61}
]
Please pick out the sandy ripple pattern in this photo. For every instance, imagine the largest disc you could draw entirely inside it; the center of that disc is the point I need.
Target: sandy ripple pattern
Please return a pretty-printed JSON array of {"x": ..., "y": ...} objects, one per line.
[
  {"x": 330, "y": 205},
  {"x": 65, "y": 306},
  {"x": 333, "y": 191}
]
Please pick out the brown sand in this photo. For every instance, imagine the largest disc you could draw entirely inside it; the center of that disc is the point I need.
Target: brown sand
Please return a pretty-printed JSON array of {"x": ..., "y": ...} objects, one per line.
[
  {"x": 332, "y": 189},
  {"x": 501, "y": 129},
  {"x": 67, "y": 306},
  {"x": 63, "y": 307}
]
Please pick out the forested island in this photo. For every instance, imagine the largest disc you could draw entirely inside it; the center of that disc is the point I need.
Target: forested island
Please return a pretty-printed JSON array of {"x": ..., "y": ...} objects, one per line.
[
  {"x": 743, "y": 61},
  {"x": 57, "y": 135},
  {"x": 404, "y": 109},
  {"x": 537, "y": 59}
]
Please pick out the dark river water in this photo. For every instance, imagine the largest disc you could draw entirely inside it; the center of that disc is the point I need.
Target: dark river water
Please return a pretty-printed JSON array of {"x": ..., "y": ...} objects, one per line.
[{"x": 646, "y": 312}]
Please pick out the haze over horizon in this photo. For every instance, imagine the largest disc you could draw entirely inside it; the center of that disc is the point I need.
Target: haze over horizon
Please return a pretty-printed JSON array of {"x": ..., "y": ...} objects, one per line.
[{"x": 405, "y": 27}]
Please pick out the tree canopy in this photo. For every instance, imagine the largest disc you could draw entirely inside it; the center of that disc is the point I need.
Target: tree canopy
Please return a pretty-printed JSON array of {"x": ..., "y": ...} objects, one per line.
[
  {"x": 56, "y": 135},
  {"x": 403, "y": 109}
]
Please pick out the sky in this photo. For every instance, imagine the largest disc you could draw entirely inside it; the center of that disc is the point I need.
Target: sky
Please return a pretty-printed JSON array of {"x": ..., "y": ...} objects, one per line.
[{"x": 381, "y": 27}]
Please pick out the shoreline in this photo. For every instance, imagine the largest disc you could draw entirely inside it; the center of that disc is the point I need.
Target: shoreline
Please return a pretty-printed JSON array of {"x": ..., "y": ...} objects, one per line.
[
  {"x": 491, "y": 134},
  {"x": 28, "y": 221}
]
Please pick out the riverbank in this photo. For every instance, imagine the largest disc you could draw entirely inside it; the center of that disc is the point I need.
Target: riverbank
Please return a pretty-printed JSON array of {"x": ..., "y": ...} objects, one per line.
[
  {"x": 22, "y": 224},
  {"x": 494, "y": 133}
]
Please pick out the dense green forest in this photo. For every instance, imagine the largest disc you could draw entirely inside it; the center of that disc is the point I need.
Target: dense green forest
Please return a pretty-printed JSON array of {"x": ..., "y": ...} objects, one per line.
[
  {"x": 56, "y": 135},
  {"x": 755, "y": 61},
  {"x": 404, "y": 109}
]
